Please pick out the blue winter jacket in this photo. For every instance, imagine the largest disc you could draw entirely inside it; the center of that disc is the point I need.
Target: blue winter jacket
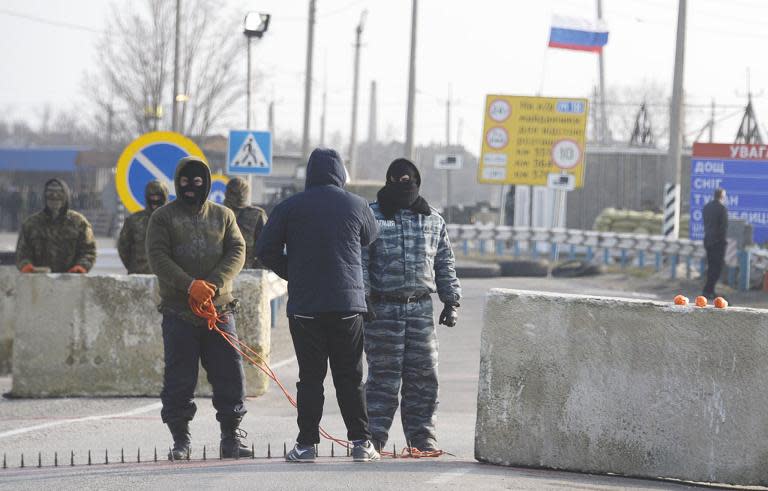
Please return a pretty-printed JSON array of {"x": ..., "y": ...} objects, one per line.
[
  {"x": 313, "y": 239},
  {"x": 411, "y": 256}
]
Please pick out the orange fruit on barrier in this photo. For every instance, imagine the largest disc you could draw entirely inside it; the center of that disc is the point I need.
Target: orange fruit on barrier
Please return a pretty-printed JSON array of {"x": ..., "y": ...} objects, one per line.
[
  {"x": 721, "y": 303},
  {"x": 681, "y": 300},
  {"x": 701, "y": 301}
]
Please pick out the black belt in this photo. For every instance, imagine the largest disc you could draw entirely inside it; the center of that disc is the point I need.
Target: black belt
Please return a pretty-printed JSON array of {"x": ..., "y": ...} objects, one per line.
[{"x": 381, "y": 297}]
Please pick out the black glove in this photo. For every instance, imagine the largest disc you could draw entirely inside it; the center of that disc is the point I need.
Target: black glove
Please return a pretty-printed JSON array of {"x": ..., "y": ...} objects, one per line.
[
  {"x": 449, "y": 315},
  {"x": 369, "y": 316}
]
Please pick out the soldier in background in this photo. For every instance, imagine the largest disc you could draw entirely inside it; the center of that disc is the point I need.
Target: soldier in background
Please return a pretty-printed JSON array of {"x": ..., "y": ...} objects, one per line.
[
  {"x": 250, "y": 219},
  {"x": 131, "y": 244},
  {"x": 410, "y": 260},
  {"x": 56, "y": 238}
]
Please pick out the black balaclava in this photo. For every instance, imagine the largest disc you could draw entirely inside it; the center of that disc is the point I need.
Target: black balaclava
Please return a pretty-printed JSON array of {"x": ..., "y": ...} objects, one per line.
[
  {"x": 397, "y": 195},
  {"x": 55, "y": 197},
  {"x": 191, "y": 171}
]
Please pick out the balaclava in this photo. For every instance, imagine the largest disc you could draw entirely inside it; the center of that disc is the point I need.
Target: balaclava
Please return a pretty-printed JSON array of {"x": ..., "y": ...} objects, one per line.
[
  {"x": 55, "y": 197},
  {"x": 397, "y": 195},
  {"x": 155, "y": 194},
  {"x": 191, "y": 171},
  {"x": 237, "y": 194}
]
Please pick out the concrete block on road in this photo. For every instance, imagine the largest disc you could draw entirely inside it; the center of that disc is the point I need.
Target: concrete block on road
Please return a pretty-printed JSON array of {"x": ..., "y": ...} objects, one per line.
[
  {"x": 100, "y": 335},
  {"x": 8, "y": 275},
  {"x": 636, "y": 388}
]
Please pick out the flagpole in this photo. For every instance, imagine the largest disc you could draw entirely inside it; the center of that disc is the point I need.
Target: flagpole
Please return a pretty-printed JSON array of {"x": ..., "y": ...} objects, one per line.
[{"x": 603, "y": 133}]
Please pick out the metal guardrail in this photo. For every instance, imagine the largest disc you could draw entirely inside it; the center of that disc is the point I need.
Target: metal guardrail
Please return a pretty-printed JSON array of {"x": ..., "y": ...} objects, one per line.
[{"x": 624, "y": 249}]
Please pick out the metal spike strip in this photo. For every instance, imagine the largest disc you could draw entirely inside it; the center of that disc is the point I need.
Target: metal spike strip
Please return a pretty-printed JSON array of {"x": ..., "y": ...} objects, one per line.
[
  {"x": 89, "y": 457},
  {"x": 5, "y": 462},
  {"x": 317, "y": 450},
  {"x": 122, "y": 456},
  {"x": 269, "y": 451},
  {"x": 106, "y": 456},
  {"x": 170, "y": 454},
  {"x": 285, "y": 450},
  {"x": 347, "y": 449},
  {"x": 155, "y": 454},
  {"x": 72, "y": 458},
  {"x": 253, "y": 451},
  {"x": 394, "y": 451},
  {"x": 204, "y": 456},
  {"x": 221, "y": 454},
  {"x": 189, "y": 452},
  {"x": 237, "y": 450},
  {"x": 410, "y": 454},
  {"x": 332, "y": 452},
  {"x": 39, "y": 460},
  {"x": 138, "y": 455},
  {"x": 22, "y": 461},
  {"x": 55, "y": 459}
]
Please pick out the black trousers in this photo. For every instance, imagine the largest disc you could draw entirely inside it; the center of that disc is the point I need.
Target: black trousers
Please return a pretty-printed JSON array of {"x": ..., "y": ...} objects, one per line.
[
  {"x": 186, "y": 347},
  {"x": 715, "y": 262},
  {"x": 318, "y": 340}
]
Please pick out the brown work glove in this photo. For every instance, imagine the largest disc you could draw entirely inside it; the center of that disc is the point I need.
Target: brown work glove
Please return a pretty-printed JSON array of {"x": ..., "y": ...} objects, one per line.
[
  {"x": 201, "y": 292},
  {"x": 77, "y": 269},
  {"x": 28, "y": 268}
]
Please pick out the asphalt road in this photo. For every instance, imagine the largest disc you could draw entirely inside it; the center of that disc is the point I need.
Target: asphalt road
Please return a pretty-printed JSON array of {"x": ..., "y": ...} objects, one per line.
[{"x": 49, "y": 426}]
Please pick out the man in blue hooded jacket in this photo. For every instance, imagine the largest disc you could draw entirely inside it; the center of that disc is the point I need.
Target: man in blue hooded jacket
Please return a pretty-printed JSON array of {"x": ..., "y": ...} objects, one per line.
[{"x": 314, "y": 240}]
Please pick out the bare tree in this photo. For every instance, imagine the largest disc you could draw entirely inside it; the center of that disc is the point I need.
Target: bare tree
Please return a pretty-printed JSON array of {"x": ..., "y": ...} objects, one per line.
[{"x": 131, "y": 89}]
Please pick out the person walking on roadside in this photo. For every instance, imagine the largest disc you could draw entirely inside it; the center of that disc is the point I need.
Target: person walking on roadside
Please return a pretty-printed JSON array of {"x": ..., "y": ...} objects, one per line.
[
  {"x": 313, "y": 240},
  {"x": 715, "y": 216},
  {"x": 250, "y": 218},
  {"x": 411, "y": 259},
  {"x": 196, "y": 250}
]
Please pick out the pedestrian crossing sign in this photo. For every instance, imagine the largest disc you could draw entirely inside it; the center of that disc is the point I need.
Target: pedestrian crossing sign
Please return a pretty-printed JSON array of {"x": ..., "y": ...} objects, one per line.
[{"x": 249, "y": 152}]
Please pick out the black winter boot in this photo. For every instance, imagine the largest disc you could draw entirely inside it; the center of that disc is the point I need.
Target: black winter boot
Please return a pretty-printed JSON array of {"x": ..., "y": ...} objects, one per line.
[
  {"x": 231, "y": 447},
  {"x": 180, "y": 433}
]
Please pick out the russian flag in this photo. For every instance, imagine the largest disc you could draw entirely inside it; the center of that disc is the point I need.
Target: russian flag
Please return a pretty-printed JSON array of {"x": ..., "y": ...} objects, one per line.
[{"x": 578, "y": 34}]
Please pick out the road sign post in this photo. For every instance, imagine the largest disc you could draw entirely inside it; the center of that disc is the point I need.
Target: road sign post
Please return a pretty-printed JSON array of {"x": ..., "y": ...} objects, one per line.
[
  {"x": 448, "y": 163},
  {"x": 152, "y": 156}
]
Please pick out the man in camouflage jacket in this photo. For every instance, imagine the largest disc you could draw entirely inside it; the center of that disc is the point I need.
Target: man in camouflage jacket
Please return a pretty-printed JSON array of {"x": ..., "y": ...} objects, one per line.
[
  {"x": 196, "y": 251},
  {"x": 250, "y": 219},
  {"x": 56, "y": 237},
  {"x": 411, "y": 259},
  {"x": 131, "y": 244}
]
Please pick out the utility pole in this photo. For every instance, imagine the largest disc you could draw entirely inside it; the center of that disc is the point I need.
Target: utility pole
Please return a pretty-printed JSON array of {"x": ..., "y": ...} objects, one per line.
[
  {"x": 673, "y": 170},
  {"x": 603, "y": 133},
  {"x": 355, "y": 86},
  {"x": 308, "y": 81},
  {"x": 249, "y": 87},
  {"x": 408, "y": 151},
  {"x": 448, "y": 200},
  {"x": 712, "y": 122},
  {"x": 372, "y": 117},
  {"x": 271, "y": 118},
  {"x": 174, "y": 106}
]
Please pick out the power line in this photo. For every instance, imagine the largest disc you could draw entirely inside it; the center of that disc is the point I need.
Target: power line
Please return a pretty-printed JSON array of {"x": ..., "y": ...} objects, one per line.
[{"x": 41, "y": 20}]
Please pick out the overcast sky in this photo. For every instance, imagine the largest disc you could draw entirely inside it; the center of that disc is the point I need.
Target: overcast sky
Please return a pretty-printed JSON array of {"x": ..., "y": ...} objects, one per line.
[{"x": 470, "y": 48}]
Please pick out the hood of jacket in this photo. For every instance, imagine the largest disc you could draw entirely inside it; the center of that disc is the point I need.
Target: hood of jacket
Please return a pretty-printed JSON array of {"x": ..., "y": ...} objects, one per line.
[
  {"x": 154, "y": 188},
  {"x": 324, "y": 168},
  {"x": 237, "y": 194},
  {"x": 67, "y": 194},
  {"x": 187, "y": 161}
]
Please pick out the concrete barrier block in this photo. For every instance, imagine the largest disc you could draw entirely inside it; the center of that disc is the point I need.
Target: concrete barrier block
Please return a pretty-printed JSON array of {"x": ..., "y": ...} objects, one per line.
[
  {"x": 637, "y": 388},
  {"x": 100, "y": 335},
  {"x": 8, "y": 275}
]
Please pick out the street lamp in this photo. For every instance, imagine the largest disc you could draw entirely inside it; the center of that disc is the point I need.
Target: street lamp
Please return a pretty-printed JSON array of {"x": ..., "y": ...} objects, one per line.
[{"x": 255, "y": 25}]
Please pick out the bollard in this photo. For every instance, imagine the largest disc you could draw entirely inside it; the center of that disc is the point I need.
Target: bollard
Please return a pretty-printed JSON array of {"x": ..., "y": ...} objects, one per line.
[
  {"x": 641, "y": 259},
  {"x": 606, "y": 256},
  {"x": 572, "y": 252},
  {"x": 516, "y": 248},
  {"x": 658, "y": 262},
  {"x": 673, "y": 266},
  {"x": 623, "y": 259},
  {"x": 465, "y": 247},
  {"x": 744, "y": 270},
  {"x": 688, "y": 267}
]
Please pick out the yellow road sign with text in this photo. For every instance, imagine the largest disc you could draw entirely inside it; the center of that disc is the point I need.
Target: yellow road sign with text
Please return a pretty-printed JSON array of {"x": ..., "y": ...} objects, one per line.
[{"x": 527, "y": 138}]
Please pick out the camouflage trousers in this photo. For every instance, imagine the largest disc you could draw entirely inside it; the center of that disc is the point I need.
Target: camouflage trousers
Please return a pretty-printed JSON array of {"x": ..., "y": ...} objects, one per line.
[{"x": 401, "y": 348}]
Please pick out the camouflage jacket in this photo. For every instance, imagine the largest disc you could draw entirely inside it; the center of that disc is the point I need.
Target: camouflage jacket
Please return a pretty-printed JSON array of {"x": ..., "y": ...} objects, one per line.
[
  {"x": 131, "y": 244},
  {"x": 58, "y": 243},
  {"x": 412, "y": 255},
  {"x": 251, "y": 220}
]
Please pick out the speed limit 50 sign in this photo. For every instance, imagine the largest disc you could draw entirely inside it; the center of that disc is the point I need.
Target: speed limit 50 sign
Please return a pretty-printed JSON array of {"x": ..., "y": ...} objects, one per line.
[{"x": 525, "y": 139}]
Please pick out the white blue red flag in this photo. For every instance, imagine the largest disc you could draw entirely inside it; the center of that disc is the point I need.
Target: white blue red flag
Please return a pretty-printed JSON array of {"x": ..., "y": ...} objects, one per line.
[{"x": 578, "y": 34}]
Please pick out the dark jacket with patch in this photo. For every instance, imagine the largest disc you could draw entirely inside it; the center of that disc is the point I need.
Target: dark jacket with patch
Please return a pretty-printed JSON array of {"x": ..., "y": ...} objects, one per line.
[
  {"x": 322, "y": 230},
  {"x": 133, "y": 235},
  {"x": 251, "y": 220},
  {"x": 57, "y": 242},
  {"x": 188, "y": 242},
  {"x": 715, "y": 216}
]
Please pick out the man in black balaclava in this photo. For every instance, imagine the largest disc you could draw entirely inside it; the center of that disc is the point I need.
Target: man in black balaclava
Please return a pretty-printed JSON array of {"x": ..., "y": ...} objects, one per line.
[
  {"x": 133, "y": 235},
  {"x": 411, "y": 259}
]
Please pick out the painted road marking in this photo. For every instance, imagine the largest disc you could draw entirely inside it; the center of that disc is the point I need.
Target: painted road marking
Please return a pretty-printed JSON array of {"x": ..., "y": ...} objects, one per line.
[{"x": 445, "y": 477}]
